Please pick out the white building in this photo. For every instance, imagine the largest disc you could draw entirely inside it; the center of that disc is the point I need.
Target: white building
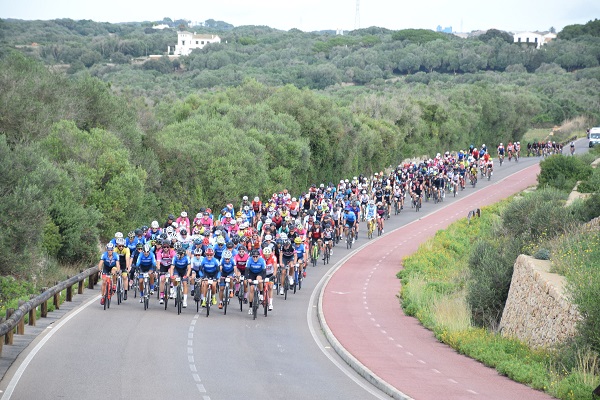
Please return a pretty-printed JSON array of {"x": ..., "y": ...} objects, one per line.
[
  {"x": 188, "y": 41},
  {"x": 536, "y": 38},
  {"x": 161, "y": 26}
]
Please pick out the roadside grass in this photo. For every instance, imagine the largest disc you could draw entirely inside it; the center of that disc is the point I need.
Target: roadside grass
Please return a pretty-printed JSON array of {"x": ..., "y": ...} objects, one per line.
[{"x": 433, "y": 290}]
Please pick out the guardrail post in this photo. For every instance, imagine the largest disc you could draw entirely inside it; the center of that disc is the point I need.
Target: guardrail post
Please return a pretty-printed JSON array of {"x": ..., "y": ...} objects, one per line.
[
  {"x": 56, "y": 298},
  {"x": 69, "y": 291},
  {"x": 32, "y": 314},
  {"x": 21, "y": 324},
  {"x": 80, "y": 285},
  {"x": 8, "y": 339},
  {"x": 44, "y": 310}
]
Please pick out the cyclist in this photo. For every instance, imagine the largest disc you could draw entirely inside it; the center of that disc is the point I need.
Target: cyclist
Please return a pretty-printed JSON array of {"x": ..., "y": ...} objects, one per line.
[
  {"x": 387, "y": 197},
  {"x": 146, "y": 262},
  {"x": 164, "y": 257},
  {"x": 183, "y": 222},
  {"x": 124, "y": 262},
  {"x": 107, "y": 266},
  {"x": 381, "y": 208},
  {"x": 371, "y": 214},
  {"x": 328, "y": 237},
  {"x": 301, "y": 258},
  {"x": 181, "y": 267},
  {"x": 501, "y": 151},
  {"x": 270, "y": 272},
  {"x": 572, "y": 148},
  {"x": 287, "y": 259},
  {"x": 255, "y": 270},
  {"x": 227, "y": 270},
  {"x": 315, "y": 233},
  {"x": 209, "y": 269},
  {"x": 195, "y": 263},
  {"x": 349, "y": 221},
  {"x": 154, "y": 231},
  {"x": 240, "y": 259}
]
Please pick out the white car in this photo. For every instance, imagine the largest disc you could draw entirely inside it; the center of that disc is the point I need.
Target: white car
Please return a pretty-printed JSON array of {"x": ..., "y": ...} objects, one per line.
[{"x": 594, "y": 137}]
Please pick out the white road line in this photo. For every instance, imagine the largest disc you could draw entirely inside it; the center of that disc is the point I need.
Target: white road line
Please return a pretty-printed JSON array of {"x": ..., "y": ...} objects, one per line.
[{"x": 15, "y": 379}]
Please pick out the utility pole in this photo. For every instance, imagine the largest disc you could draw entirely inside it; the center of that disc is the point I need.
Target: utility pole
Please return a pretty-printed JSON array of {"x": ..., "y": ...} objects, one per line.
[{"x": 357, "y": 15}]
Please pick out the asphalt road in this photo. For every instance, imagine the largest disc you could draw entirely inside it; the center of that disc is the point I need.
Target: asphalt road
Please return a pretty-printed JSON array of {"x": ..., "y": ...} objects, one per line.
[{"x": 128, "y": 352}]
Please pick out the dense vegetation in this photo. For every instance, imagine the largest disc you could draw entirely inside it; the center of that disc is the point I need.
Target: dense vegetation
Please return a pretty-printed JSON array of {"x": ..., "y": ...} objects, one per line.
[{"x": 93, "y": 141}]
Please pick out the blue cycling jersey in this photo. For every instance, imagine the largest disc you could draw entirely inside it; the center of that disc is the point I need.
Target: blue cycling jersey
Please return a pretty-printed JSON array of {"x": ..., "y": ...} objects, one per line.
[
  {"x": 146, "y": 262},
  {"x": 227, "y": 267},
  {"x": 109, "y": 262},
  {"x": 181, "y": 262},
  {"x": 209, "y": 268},
  {"x": 256, "y": 266},
  {"x": 350, "y": 216}
]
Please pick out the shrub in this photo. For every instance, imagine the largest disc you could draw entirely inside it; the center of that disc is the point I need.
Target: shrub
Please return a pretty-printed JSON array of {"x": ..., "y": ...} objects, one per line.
[
  {"x": 542, "y": 254},
  {"x": 490, "y": 270},
  {"x": 562, "y": 172}
]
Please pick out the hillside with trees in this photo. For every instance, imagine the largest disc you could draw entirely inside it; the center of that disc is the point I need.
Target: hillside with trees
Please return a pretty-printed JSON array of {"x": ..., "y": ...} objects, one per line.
[{"x": 94, "y": 140}]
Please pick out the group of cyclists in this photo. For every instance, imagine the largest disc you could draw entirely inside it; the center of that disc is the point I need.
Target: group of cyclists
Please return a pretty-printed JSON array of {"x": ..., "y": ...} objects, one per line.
[{"x": 277, "y": 237}]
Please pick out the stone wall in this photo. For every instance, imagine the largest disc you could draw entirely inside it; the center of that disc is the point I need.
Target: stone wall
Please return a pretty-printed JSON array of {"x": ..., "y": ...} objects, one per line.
[{"x": 537, "y": 312}]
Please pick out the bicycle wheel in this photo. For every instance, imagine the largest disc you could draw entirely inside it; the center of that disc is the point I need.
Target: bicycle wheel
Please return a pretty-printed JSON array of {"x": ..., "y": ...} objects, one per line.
[
  {"x": 179, "y": 298},
  {"x": 208, "y": 299},
  {"x": 313, "y": 256},
  {"x": 265, "y": 298},
  {"x": 166, "y": 292},
  {"x": 241, "y": 295},
  {"x": 225, "y": 298},
  {"x": 296, "y": 274},
  {"x": 255, "y": 302},
  {"x": 118, "y": 291},
  {"x": 105, "y": 295}
]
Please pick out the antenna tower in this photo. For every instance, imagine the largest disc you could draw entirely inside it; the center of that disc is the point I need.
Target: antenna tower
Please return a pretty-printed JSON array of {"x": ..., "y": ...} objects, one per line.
[{"x": 357, "y": 15}]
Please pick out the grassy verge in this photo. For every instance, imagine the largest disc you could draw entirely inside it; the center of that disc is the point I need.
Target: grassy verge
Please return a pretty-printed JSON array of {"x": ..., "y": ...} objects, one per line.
[{"x": 434, "y": 283}]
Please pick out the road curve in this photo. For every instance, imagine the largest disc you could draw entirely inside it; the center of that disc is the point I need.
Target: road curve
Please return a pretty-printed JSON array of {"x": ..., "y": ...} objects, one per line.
[
  {"x": 361, "y": 310},
  {"x": 126, "y": 351}
]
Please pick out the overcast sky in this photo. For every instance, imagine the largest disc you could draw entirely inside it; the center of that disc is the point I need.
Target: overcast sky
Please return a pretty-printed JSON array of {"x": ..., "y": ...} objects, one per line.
[{"x": 310, "y": 15}]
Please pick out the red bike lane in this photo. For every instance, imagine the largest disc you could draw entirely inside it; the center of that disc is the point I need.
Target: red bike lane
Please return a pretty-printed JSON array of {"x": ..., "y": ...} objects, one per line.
[{"x": 360, "y": 308}]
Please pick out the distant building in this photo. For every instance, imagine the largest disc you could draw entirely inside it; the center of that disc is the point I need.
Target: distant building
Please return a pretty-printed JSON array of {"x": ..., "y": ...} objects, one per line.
[
  {"x": 188, "y": 41},
  {"x": 534, "y": 38},
  {"x": 161, "y": 26},
  {"x": 447, "y": 29}
]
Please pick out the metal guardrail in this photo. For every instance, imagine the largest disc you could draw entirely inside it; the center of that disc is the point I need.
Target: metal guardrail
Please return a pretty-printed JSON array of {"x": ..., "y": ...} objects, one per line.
[{"x": 15, "y": 318}]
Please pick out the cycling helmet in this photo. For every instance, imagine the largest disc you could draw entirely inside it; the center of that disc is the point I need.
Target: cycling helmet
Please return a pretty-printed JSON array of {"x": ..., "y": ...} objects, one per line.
[
  {"x": 154, "y": 225},
  {"x": 159, "y": 242},
  {"x": 279, "y": 242},
  {"x": 235, "y": 239},
  {"x": 118, "y": 235},
  {"x": 210, "y": 250},
  {"x": 145, "y": 228},
  {"x": 164, "y": 235},
  {"x": 227, "y": 254},
  {"x": 245, "y": 198},
  {"x": 146, "y": 248},
  {"x": 267, "y": 251},
  {"x": 110, "y": 247},
  {"x": 139, "y": 246},
  {"x": 227, "y": 215},
  {"x": 371, "y": 201},
  {"x": 199, "y": 215},
  {"x": 283, "y": 236},
  {"x": 256, "y": 199},
  {"x": 268, "y": 237},
  {"x": 183, "y": 214},
  {"x": 169, "y": 231},
  {"x": 183, "y": 232},
  {"x": 120, "y": 242},
  {"x": 287, "y": 242},
  {"x": 197, "y": 241},
  {"x": 171, "y": 217},
  {"x": 138, "y": 232},
  {"x": 255, "y": 253},
  {"x": 131, "y": 234},
  {"x": 197, "y": 251},
  {"x": 220, "y": 240},
  {"x": 298, "y": 240}
]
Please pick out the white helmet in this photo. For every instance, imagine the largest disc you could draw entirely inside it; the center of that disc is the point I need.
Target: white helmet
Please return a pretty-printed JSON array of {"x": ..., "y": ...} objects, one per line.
[
  {"x": 183, "y": 214},
  {"x": 245, "y": 198},
  {"x": 267, "y": 251},
  {"x": 119, "y": 235},
  {"x": 268, "y": 237},
  {"x": 154, "y": 225}
]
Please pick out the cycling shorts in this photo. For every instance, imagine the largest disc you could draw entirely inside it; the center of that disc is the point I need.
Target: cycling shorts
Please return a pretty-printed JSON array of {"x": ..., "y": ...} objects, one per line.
[
  {"x": 164, "y": 269},
  {"x": 252, "y": 276},
  {"x": 350, "y": 224},
  {"x": 286, "y": 260},
  {"x": 180, "y": 272}
]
